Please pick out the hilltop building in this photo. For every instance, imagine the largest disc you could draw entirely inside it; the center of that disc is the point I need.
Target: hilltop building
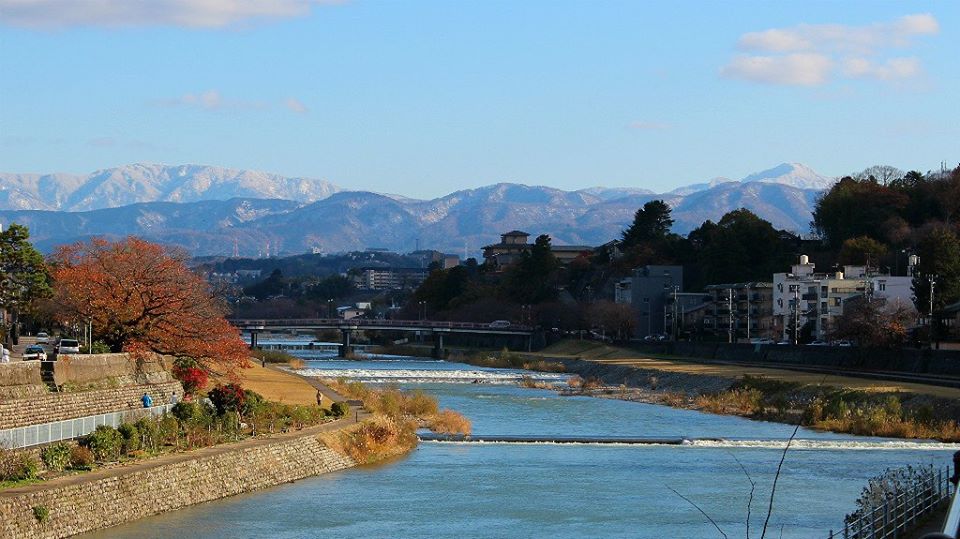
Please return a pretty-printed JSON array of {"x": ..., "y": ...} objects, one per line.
[
  {"x": 514, "y": 243},
  {"x": 804, "y": 296}
]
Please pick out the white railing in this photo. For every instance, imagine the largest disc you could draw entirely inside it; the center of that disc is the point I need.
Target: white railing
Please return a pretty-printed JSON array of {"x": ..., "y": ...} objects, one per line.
[
  {"x": 46, "y": 433},
  {"x": 951, "y": 525}
]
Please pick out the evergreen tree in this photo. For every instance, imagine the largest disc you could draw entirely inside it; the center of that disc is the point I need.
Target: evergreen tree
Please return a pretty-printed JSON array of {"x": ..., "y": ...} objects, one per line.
[
  {"x": 652, "y": 222},
  {"x": 24, "y": 275}
]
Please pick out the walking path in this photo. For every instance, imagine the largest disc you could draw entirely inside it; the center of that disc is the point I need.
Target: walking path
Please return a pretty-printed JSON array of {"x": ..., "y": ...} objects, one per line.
[{"x": 610, "y": 355}]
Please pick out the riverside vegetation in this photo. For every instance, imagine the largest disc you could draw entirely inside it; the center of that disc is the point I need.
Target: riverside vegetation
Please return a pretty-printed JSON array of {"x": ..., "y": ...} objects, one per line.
[
  {"x": 231, "y": 414},
  {"x": 396, "y": 417},
  {"x": 828, "y": 408}
]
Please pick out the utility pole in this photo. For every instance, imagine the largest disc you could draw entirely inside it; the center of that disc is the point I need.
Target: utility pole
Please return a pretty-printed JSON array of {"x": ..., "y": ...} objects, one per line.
[
  {"x": 673, "y": 329},
  {"x": 933, "y": 284},
  {"x": 796, "y": 314},
  {"x": 729, "y": 315}
]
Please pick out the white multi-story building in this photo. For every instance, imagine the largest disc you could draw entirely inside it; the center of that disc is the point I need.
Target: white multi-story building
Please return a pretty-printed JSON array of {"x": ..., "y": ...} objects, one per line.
[{"x": 803, "y": 295}]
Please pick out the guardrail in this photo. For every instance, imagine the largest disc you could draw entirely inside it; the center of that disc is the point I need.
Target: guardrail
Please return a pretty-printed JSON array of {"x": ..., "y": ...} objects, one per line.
[
  {"x": 67, "y": 429},
  {"x": 897, "y": 515},
  {"x": 364, "y": 322}
]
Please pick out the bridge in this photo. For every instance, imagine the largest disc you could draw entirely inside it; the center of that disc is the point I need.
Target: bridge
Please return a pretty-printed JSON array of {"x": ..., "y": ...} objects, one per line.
[{"x": 438, "y": 328}]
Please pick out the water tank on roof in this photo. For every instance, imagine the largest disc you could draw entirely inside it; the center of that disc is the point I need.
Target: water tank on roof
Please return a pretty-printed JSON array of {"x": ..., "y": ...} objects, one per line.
[{"x": 804, "y": 259}]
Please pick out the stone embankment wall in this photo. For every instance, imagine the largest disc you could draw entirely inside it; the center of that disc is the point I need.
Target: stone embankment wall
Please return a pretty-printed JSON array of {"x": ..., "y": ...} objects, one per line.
[
  {"x": 21, "y": 379},
  {"x": 113, "y": 369},
  {"x": 87, "y": 503},
  {"x": 59, "y": 406}
]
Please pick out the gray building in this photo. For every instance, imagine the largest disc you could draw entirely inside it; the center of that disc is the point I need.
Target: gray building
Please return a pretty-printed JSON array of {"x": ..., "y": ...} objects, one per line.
[{"x": 651, "y": 291}]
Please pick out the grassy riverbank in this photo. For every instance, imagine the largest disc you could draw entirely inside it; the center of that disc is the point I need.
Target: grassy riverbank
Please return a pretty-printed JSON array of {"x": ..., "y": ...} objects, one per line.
[{"x": 831, "y": 403}]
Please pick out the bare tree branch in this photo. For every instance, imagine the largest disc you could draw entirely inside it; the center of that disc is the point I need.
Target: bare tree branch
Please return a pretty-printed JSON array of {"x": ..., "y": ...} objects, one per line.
[
  {"x": 702, "y": 512},
  {"x": 753, "y": 488}
]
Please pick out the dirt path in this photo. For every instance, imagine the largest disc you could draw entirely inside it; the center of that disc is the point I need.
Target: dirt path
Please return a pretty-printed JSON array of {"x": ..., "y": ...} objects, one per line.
[{"x": 611, "y": 355}]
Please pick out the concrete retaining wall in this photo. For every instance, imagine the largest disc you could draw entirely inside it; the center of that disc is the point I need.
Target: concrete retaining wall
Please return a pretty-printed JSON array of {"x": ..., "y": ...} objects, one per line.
[
  {"x": 908, "y": 360},
  {"x": 58, "y": 406},
  {"x": 119, "y": 369},
  {"x": 20, "y": 379},
  {"x": 110, "y": 497}
]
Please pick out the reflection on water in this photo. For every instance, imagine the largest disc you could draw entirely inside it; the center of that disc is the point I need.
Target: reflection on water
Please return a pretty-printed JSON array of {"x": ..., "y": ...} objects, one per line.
[{"x": 550, "y": 490}]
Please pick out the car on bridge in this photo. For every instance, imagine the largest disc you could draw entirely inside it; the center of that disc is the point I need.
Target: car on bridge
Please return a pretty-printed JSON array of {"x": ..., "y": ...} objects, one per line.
[{"x": 500, "y": 324}]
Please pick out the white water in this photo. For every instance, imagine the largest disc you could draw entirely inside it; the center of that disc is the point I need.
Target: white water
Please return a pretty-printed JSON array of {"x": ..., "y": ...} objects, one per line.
[
  {"x": 796, "y": 445},
  {"x": 414, "y": 376}
]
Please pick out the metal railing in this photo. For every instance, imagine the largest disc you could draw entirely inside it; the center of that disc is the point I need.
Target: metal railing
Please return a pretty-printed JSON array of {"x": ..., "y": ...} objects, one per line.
[
  {"x": 67, "y": 429},
  {"x": 900, "y": 513},
  {"x": 244, "y": 323}
]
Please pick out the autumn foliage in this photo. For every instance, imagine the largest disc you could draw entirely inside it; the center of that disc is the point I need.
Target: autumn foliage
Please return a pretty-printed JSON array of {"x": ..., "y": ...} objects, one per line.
[{"x": 140, "y": 296}]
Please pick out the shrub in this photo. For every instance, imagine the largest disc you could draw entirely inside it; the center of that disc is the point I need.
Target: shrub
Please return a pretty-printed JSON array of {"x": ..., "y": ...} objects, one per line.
[
  {"x": 56, "y": 457},
  {"x": 81, "y": 458},
  {"x": 340, "y": 409},
  {"x": 40, "y": 513},
  {"x": 149, "y": 433},
  {"x": 131, "y": 438},
  {"x": 190, "y": 374},
  {"x": 105, "y": 443},
  {"x": 168, "y": 430},
  {"x": 228, "y": 398},
  {"x": 188, "y": 412},
  {"x": 17, "y": 465}
]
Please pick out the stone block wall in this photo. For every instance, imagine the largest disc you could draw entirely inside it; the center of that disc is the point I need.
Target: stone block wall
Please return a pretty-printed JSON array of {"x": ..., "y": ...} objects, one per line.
[
  {"x": 58, "y": 406},
  {"x": 145, "y": 489}
]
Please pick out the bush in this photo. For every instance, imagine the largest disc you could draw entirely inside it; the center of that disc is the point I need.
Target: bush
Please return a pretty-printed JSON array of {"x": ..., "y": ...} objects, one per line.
[
  {"x": 253, "y": 403},
  {"x": 99, "y": 347},
  {"x": 131, "y": 438},
  {"x": 149, "y": 433},
  {"x": 228, "y": 398},
  {"x": 40, "y": 513},
  {"x": 189, "y": 412},
  {"x": 340, "y": 409},
  {"x": 190, "y": 374},
  {"x": 56, "y": 457},
  {"x": 105, "y": 443},
  {"x": 17, "y": 465},
  {"x": 81, "y": 458}
]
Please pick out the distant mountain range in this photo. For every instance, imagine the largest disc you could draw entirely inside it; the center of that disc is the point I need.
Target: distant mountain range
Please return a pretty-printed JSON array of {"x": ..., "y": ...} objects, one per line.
[{"x": 217, "y": 211}]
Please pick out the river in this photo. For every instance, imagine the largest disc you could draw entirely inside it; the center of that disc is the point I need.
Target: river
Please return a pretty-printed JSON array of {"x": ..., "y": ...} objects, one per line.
[{"x": 489, "y": 490}]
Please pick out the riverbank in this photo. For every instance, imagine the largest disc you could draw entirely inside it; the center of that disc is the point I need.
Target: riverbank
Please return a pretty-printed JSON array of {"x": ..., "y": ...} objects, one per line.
[
  {"x": 831, "y": 403},
  {"x": 107, "y": 497}
]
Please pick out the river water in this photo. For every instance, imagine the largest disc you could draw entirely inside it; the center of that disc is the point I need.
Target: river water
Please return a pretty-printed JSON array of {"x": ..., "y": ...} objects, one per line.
[{"x": 491, "y": 490}]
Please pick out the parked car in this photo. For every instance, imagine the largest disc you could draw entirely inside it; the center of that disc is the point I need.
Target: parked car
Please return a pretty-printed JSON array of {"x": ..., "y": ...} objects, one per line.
[
  {"x": 762, "y": 340},
  {"x": 818, "y": 343},
  {"x": 34, "y": 352},
  {"x": 68, "y": 346},
  {"x": 43, "y": 338},
  {"x": 843, "y": 343},
  {"x": 500, "y": 324}
]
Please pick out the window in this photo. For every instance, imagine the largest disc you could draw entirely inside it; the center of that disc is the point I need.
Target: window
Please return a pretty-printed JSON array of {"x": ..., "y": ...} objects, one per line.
[
  {"x": 646, "y": 300},
  {"x": 883, "y": 286}
]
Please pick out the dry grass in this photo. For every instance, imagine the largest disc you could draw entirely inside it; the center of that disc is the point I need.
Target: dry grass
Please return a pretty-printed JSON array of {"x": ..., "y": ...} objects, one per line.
[
  {"x": 376, "y": 439},
  {"x": 449, "y": 422},
  {"x": 530, "y": 383},
  {"x": 746, "y": 402},
  {"x": 544, "y": 366},
  {"x": 279, "y": 386},
  {"x": 404, "y": 406}
]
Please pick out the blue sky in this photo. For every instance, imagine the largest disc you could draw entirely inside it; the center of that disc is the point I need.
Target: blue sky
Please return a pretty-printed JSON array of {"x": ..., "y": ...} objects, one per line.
[{"x": 422, "y": 98}]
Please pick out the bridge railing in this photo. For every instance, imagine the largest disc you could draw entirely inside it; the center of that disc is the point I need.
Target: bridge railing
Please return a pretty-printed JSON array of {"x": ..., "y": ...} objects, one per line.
[{"x": 364, "y": 322}]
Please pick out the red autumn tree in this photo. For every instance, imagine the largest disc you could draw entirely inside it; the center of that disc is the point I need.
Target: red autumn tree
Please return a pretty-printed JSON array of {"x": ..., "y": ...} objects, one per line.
[{"x": 141, "y": 296}]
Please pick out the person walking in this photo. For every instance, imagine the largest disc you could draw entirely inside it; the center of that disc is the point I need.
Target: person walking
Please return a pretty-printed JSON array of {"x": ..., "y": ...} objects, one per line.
[
  {"x": 4, "y": 355},
  {"x": 319, "y": 399},
  {"x": 173, "y": 398},
  {"x": 146, "y": 400}
]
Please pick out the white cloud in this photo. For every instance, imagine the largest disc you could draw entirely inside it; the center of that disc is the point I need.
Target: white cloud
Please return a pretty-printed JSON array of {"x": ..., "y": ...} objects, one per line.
[
  {"x": 791, "y": 69},
  {"x": 124, "y": 13},
  {"x": 210, "y": 100},
  {"x": 295, "y": 105},
  {"x": 892, "y": 70},
  {"x": 814, "y": 54},
  {"x": 650, "y": 126}
]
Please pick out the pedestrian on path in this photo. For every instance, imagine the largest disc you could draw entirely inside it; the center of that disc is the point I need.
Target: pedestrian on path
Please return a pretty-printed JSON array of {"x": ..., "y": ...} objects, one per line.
[
  {"x": 5, "y": 356},
  {"x": 319, "y": 399},
  {"x": 147, "y": 401},
  {"x": 173, "y": 398}
]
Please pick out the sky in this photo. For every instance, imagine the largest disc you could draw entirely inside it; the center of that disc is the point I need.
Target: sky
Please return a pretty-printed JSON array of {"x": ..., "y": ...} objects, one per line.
[{"x": 422, "y": 98}]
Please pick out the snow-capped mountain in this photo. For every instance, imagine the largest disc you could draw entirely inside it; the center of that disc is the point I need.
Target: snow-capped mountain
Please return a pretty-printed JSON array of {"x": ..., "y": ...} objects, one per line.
[
  {"x": 216, "y": 211},
  {"x": 130, "y": 184}
]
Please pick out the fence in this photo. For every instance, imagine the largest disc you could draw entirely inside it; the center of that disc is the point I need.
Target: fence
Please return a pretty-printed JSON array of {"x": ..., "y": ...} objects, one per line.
[
  {"x": 901, "y": 512},
  {"x": 45, "y": 433}
]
